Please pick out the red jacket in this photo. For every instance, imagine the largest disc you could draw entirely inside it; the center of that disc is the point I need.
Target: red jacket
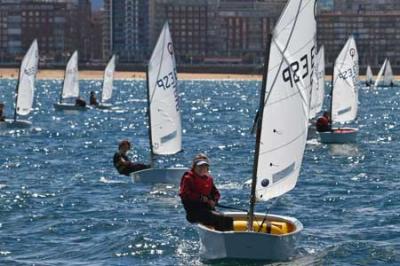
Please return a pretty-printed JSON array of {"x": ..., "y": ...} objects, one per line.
[
  {"x": 323, "y": 124},
  {"x": 194, "y": 186}
]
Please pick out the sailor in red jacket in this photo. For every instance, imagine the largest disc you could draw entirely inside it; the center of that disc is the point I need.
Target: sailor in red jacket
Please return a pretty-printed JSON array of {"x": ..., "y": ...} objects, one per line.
[
  {"x": 199, "y": 196},
  {"x": 323, "y": 123}
]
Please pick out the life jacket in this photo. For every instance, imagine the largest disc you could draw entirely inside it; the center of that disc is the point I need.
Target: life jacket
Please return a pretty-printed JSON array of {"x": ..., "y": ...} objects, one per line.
[
  {"x": 323, "y": 124},
  {"x": 193, "y": 186}
]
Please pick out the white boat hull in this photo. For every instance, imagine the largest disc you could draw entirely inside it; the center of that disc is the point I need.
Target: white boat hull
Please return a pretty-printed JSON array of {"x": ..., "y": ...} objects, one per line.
[
  {"x": 152, "y": 175},
  {"x": 342, "y": 135},
  {"x": 216, "y": 245},
  {"x": 10, "y": 123},
  {"x": 104, "y": 106},
  {"x": 69, "y": 107}
]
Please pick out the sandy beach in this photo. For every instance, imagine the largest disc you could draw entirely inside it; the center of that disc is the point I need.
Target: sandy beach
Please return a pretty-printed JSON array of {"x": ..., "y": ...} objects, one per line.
[
  {"x": 93, "y": 75},
  {"x": 98, "y": 75}
]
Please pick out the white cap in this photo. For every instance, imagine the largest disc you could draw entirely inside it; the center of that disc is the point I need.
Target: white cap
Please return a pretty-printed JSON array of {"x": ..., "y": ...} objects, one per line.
[{"x": 201, "y": 162}]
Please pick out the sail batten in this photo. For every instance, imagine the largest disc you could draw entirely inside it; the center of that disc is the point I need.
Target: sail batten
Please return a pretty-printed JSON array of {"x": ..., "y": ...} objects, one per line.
[
  {"x": 345, "y": 90},
  {"x": 165, "y": 117},
  {"x": 284, "y": 118},
  {"x": 71, "y": 80},
  {"x": 27, "y": 76}
]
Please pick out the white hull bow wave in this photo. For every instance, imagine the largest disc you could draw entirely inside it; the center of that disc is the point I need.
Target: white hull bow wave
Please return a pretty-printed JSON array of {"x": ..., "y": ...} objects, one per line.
[{"x": 281, "y": 127}]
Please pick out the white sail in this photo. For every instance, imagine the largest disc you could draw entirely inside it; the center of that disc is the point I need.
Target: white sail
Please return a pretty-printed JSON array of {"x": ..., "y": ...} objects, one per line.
[
  {"x": 345, "y": 81},
  {"x": 71, "y": 80},
  {"x": 286, "y": 105},
  {"x": 318, "y": 85},
  {"x": 166, "y": 129},
  {"x": 369, "y": 76},
  {"x": 27, "y": 76},
  {"x": 380, "y": 73},
  {"x": 388, "y": 76},
  {"x": 108, "y": 80}
]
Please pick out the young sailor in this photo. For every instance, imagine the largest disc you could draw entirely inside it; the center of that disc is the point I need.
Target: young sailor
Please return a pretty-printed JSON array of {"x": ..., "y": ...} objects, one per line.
[
  {"x": 2, "y": 117},
  {"x": 324, "y": 123},
  {"x": 92, "y": 99},
  {"x": 199, "y": 196},
  {"x": 122, "y": 163}
]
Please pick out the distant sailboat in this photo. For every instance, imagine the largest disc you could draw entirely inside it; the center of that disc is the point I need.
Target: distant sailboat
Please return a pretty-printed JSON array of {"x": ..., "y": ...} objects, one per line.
[
  {"x": 165, "y": 129},
  {"x": 369, "y": 76},
  {"x": 107, "y": 84},
  {"x": 344, "y": 99},
  {"x": 280, "y": 143},
  {"x": 70, "y": 86},
  {"x": 25, "y": 87},
  {"x": 387, "y": 73}
]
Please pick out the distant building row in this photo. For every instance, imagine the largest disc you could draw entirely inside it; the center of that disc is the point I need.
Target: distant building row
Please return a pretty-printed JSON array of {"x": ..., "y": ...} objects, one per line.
[{"x": 204, "y": 31}]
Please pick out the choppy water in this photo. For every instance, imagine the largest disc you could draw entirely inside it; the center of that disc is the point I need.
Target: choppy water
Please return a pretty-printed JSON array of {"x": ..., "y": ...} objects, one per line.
[{"x": 62, "y": 203}]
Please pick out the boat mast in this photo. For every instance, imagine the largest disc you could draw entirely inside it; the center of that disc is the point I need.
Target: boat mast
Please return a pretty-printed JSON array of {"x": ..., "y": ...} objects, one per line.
[
  {"x": 258, "y": 125},
  {"x": 332, "y": 83},
  {"x": 149, "y": 117},
  {"x": 62, "y": 87},
  {"x": 16, "y": 96}
]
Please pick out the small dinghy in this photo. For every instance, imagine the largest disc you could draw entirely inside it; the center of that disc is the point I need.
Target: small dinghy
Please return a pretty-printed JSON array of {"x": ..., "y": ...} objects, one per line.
[
  {"x": 70, "y": 87},
  {"x": 385, "y": 75},
  {"x": 165, "y": 129},
  {"x": 25, "y": 89},
  {"x": 344, "y": 100},
  {"x": 369, "y": 76},
  {"x": 281, "y": 127},
  {"x": 107, "y": 85}
]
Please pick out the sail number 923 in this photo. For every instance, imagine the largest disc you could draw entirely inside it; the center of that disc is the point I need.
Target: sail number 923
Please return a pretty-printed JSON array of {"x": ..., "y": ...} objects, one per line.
[
  {"x": 170, "y": 81},
  {"x": 300, "y": 69}
]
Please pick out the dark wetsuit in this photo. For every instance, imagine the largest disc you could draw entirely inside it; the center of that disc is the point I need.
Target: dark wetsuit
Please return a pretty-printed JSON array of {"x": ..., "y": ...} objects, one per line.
[
  {"x": 2, "y": 118},
  {"x": 192, "y": 189},
  {"x": 80, "y": 103},
  {"x": 127, "y": 169},
  {"x": 93, "y": 100}
]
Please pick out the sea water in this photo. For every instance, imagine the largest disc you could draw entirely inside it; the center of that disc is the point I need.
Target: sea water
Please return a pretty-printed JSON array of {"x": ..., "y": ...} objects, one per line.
[{"x": 63, "y": 203}]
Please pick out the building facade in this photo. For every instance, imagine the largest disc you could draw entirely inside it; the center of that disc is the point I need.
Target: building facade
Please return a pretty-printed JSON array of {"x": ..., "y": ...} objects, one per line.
[
  {"x": 126, "y": 29},
  {"x": 371, "y": 22},
  {"x": 60, "y": 26}
]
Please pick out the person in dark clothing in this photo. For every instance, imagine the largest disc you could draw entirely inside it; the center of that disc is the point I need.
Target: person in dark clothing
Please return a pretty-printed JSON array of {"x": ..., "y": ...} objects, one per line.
[
  {"x": 122, "y": 163},
  {"x": 324, "y": 123},
  {"x": 92, "y": 99},
  {"x": 79, "y": 102},
  {"x": 2, "y": 117},
  {"x": 199, "y": 196}
]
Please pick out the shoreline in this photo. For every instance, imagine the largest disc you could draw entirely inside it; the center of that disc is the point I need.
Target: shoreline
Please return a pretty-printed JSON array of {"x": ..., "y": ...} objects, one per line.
[
  {"x": 12, "y": 73},
  {"x": 43, "y": 74}
]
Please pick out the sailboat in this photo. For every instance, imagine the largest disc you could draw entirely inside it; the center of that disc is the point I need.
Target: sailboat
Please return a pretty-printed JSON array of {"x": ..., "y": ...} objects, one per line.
[
  {"x": 165, "y": 129},
  {"x": 70, "y": 86},
  {"x": 107, "y": 84},
  {"x": 369, "y": 76},
  {"x": 344, "y": 99},
  {"x": 25, "y": 88},
  {"x": 280, "y": 143},
  {"x": 387, "y": 73}
]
